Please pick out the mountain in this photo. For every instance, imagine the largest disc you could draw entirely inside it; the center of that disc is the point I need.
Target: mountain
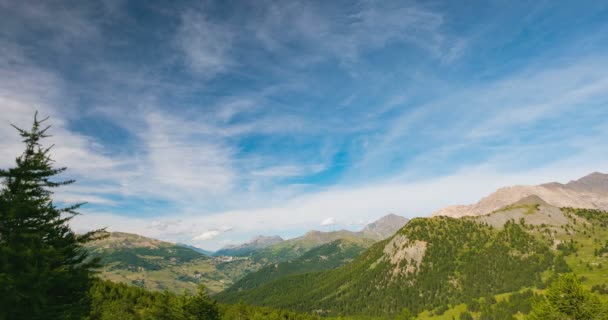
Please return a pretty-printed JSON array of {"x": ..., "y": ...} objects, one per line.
[
  {"x": 532, "y": 210},
  {"x": 294, "y": 248},
  {"x": 324, "y": 257},
  {"x": 159, "y": 265},
  {"x": 426, "y": 264},
  {"x": 286, "y": 250},
  {"x": 439, "y": 266},
  {"x": 197, "y": 249},
  {"x": 384, "y": 227},
  {"x": 257, "y": 243},
  {"x": 589, "y": 192},
  {"x": 596, "y": 183}
]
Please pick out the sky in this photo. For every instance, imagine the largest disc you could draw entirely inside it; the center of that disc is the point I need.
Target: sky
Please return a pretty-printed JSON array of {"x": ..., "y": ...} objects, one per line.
[{"x": 211, "y": 122}]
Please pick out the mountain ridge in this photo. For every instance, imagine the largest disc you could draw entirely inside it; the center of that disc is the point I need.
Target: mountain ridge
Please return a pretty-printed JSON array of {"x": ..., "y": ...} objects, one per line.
[
  {"x": 589, "y": 192},
  {"x": 256, "y": 243},
  {"x": 380, "y": 229}
]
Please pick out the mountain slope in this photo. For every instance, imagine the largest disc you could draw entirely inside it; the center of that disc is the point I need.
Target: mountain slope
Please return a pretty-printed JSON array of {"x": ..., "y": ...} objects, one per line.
[
  {"x": 293, "y": 248},
  {"x": 325, "y": 257},
  {"x": 589, "y": 192},
  {"x": 159, "y": 265},
  {"x": 532, "y": 210},
  {"x": 429, "y": 263},
  {"x": 257, "y": 243}
]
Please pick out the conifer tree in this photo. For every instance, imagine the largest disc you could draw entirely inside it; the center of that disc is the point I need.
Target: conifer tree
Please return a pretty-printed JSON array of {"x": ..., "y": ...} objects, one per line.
[
  {"x": 201, "y": 306},
  {"x": 45, "y": 272},
  {"x": 566, "y": 298}
]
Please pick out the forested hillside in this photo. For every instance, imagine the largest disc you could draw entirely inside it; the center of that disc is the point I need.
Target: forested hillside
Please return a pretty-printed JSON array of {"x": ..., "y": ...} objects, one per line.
[
  {"x": 324, "y": 257},
  {"x": 430, "y": 263},
  {"x": 442, "y": 267}
]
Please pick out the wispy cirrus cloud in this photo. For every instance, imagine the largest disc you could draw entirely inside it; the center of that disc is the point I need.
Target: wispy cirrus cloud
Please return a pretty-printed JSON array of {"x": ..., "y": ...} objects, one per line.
[
  {"x": 288, "y": 171},
  {"x": 274, "y": 116},
  {"x": 205, "y": 44},
  {"x": 346, "y": 34}
]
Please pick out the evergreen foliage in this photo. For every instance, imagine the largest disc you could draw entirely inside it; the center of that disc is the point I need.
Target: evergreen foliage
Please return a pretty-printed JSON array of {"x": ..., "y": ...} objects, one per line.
[
  {"x": 121, "y": 301},
  {"x": 45, "y": 272},
  {"x": 325, "y": 257},
  {"x": 566, "y": 298}
]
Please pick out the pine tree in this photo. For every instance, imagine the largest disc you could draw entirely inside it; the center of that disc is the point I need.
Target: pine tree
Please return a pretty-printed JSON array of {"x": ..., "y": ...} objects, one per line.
[
  {"x": 45, "y": 272},
  {"x": 566, "y": 298},
  {"x": 201, "y": 306}
]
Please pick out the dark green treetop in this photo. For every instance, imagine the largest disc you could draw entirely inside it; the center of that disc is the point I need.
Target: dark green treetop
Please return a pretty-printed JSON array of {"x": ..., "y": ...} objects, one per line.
[{"x": 566, "y": 298}]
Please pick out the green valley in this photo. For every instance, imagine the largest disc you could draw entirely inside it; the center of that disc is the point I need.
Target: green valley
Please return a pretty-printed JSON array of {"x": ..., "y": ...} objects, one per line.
[{"x": 158, "y": 265}]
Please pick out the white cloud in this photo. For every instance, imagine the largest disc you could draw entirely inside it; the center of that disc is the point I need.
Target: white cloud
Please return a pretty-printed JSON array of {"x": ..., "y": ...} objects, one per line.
[
  {"x": 78, "y": 22},
  {"x": 212, "y": 233},
  {"x": 371, "y": 25},
  {"x": 351, "y": 205},
  {"x": 328, "y": 222},
  {"x": 26, "y": 88},
  {"x": 190, "y": 162},
  {"x": 288, "y": 170},
  {"x": 204, "y": 43},
  {"x": 163, "y": 225},
  {"x": 207, "y": 235},
  {"x": 535, "y": 96}
]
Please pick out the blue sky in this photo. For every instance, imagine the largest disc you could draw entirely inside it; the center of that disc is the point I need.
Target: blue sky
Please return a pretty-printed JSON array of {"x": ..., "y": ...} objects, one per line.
[{"x": 211, "y": 122}]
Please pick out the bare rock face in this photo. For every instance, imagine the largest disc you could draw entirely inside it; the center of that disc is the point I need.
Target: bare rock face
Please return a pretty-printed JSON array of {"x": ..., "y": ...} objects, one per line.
[
  {"x": 590, "y": 192},
  {"x": 400, "y": 249}
]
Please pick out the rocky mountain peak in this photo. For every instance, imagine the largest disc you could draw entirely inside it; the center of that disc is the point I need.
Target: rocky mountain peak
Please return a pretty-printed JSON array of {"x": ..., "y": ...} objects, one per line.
[
  {"x": 384, "y": 227},
  {"x": 590, "y": 191},
  {"x": 595, "y": 182}
]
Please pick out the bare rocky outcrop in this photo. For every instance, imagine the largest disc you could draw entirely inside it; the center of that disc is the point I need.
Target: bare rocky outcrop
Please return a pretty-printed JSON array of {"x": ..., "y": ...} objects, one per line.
[{"x": 401, "y": 249}]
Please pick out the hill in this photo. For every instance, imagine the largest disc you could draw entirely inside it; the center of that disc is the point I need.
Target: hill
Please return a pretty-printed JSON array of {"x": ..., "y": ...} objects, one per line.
[
  {"x": 430, "y": 263},
  {"x": 293, "y": 248},
  {"x": 441, "y": 266},
  {"x": 255, "y": 244},
  {"x": 532, "y": 210},
  {"x": 589, "y": 192},
  {"x": 324, "y": 257},
  {"x": 159, "y": 265}
]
